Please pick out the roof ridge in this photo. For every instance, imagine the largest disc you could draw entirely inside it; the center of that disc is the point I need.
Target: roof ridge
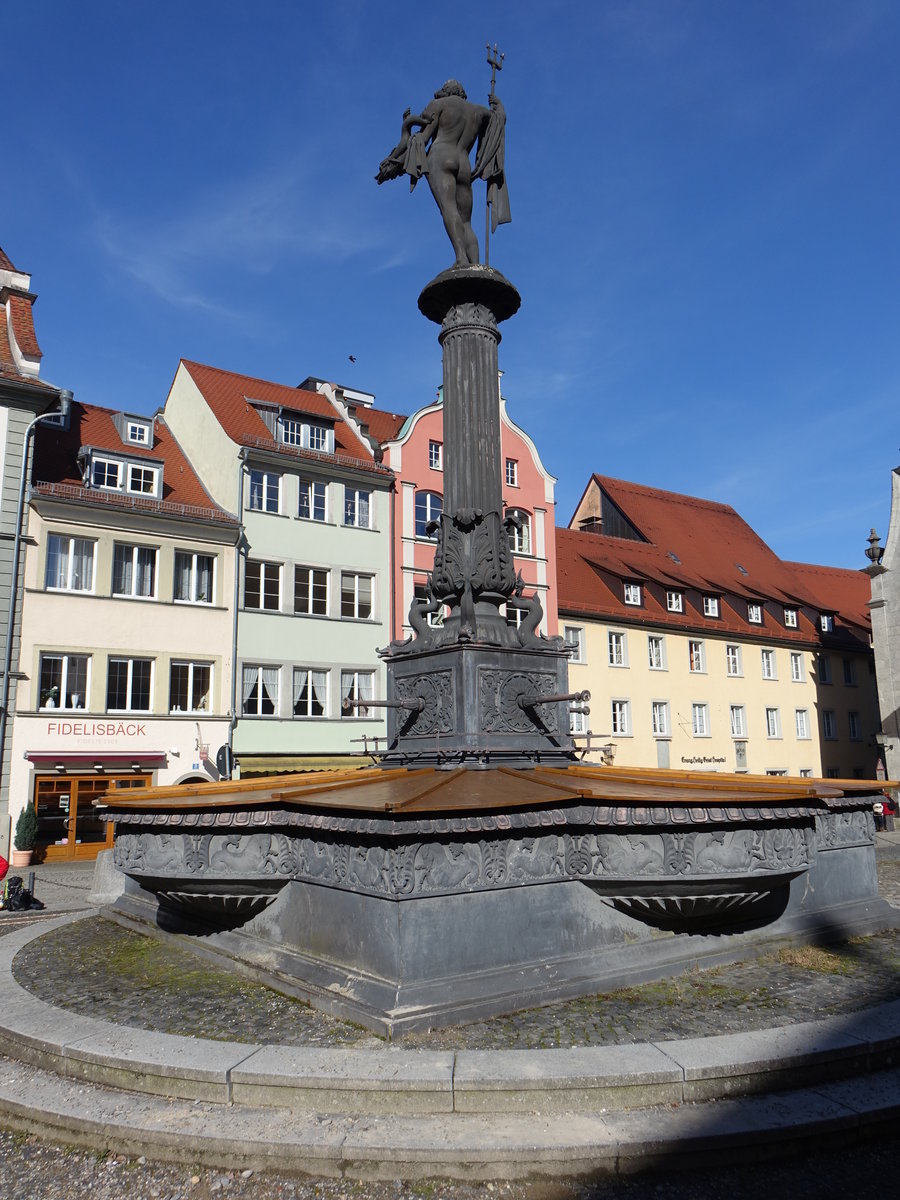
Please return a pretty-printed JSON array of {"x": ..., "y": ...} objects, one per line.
[
  {"x": 678, "y": 497},
  {"x": 189, "y": 362}
]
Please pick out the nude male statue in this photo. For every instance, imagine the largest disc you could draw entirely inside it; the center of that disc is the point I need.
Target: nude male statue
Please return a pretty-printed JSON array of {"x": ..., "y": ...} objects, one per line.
[{"x": 447, "y": 130}]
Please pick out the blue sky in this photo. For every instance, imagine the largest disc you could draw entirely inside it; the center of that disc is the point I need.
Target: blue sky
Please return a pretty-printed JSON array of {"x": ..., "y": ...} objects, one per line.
[{"x": 704, "y": 199}]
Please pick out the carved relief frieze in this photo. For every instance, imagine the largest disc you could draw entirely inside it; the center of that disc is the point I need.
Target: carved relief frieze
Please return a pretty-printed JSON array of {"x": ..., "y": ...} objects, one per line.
[
  {"x": 500, "y": 693},
  {"x": 852, "y": 828},
  {"x": 436, "y": 689}
]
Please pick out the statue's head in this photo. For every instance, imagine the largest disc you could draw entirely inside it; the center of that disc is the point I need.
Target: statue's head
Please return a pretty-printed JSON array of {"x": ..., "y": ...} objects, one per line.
[{"x": 451, "y": 88}]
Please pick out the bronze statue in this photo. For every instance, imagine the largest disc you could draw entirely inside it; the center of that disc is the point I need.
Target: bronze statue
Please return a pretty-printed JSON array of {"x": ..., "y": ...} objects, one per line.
[{"x": 447, "y": 130}]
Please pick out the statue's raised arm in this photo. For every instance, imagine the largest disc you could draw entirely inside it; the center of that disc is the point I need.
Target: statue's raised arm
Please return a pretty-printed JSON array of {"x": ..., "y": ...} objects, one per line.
[{"x": 446, "y": 131}]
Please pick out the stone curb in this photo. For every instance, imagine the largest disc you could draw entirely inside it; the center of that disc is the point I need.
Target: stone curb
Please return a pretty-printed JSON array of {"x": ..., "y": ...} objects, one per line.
[{"x": 390, "y": 1081}]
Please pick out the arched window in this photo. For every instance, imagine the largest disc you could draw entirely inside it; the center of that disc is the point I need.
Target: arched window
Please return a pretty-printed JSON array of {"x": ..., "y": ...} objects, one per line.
[
  {"x": 520, "y": 535},
  {"x": 428, "y": 508}
]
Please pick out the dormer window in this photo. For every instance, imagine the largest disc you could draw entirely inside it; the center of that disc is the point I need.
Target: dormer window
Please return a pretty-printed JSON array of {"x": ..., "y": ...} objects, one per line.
[
  {"x": 826, "y": 623},
  {"x": 309, "y": 435},
  {"x": 754, "y": 614},
  {"x": 675, "y": 601},
  {"x": 790, "y": 618},
  {"x": 710, "y": 606},
  {"x": 137, "y": 432},
  {"x": 633, "y": 593},
  {"x": 142, "y": 480},
  {"x": 106, "y": 473}
]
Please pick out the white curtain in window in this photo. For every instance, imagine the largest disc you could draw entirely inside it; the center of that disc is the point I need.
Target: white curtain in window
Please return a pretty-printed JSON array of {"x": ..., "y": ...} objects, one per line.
[
  {"x": 251, "y": 675},
  {"x": 183, "y": 577},
  {"x": 320, "y": 688},
  {"x": 270, "y": 685},
  {"x": 300, "y": 680},
  {"x": 83, "y": 564},
  {"x": 146, "y": 559},
  {"x": 204, "y": 578},
  {"x": 347, "y": 681},
  {"x": 122, "y": 564},
  {"x": 362, "y": 518}
]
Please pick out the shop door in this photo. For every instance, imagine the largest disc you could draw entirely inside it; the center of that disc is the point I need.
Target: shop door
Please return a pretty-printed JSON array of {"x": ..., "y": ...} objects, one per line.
[{"x": 69, "y": 827}]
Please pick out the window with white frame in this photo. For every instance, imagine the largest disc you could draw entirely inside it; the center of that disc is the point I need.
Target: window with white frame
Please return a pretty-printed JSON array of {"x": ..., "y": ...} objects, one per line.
[
  {"x": 436, "y": 455},
  {"x": 128, "y": 684},
  {"x": 733, "y": 660},
  {"x": 656, "y": 652},
  {"x": 189, "y": 686},
  {"x": 357, "y": 686},
  {"x": 823, "y": 668},
  {"x": 519, "y": 531},
  {"x": 659, "y": 718},
  {"x": 801, "y": 719},
  {"x": 106, "y": 473},
  {"x": 428, "y": 508},
  {"x": 356, "y": 596},
  {"x": 853, "y": 726},
  {"x": 700, "y": 720},
  {"x": 754, "y": 614},
  {"x": 312, "y": 499},
  {"x": 358, "y": 507},
  {"x": 265, "y": 491},
  {"x": 138, "y": 433},
  {"x": 194, "y": 577},
  {"x": 632, "y": 593},
  {"x": 768, "y": 664},
  {"x": 829, "y": 725},
  {"x": 849, "y": 672},
  {"x": 262, "y": 585},
  {"x": 291, "y": 431},
  {"x": 618, "y": 649},
  {"x": 259, "y": 690},
  {"x": 796, "y": 667},
  {"x": 826, "y": 623},
  {"x": 310, "y": 435},
  {"x": 512, "y": 472},
  {"x": 514, "y": 616},
  {"x": 311, "y": 591},
  {"x": 134, "y": 571},
  {"x": 435, "y": 619},
  {"x": 773, "y": 723},
  {"x": 621, "y": 723},
  {"x": 310, "y": 692},
  {"x": 675, "y": 601},
  {"x": 790, "y": 618},
  {"x": 573, "y": 636},
  {"x": 577, "y": 721},
  {"x": 738, "y": 721},
  {"x": 806, "y": 772},
  {"x": 696, "y": 656},
  {"x": 710, "y": 606},
  {"x": 142, "y": 480},
  {"x": 70, "y": 563},
  {"x": 63, "y": 681}
]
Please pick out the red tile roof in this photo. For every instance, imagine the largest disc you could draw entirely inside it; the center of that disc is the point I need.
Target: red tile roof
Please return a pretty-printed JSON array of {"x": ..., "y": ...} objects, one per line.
[
  {"x": 56, "y": 470},
  {"x": 5, "y": 264},
  {"x": 231, "y": 398},
  {"x": 23, "y": 324}
]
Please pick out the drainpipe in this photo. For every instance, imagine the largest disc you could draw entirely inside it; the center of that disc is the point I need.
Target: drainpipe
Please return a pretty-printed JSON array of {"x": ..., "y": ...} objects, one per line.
[
  {"x": 242, "y": 463},
  {"x": 65, "y": 403},
  {"x": 392, "y": 563}
]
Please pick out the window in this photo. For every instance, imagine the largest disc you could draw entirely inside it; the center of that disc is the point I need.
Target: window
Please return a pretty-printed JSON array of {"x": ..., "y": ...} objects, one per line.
[
  {"x": 189, "y": 684},
  {"x": 134, "y": 571},
  {"x": 854, "y": 726},
  {"x": 356, "y": 685},
  {"x": 63, "y": 681},
  {"x": 620, "y": 717},
  {"x": 105, "y": 473},
  {"x": 823, "y": 663},
  {"x": 357, "y": 508},
  {"x": 428, "y": 509},
  {"x": 128, "y": 684},
  {"x": 259, "y": 691},
  {"x": 826, "y": 623},
  {"x": 773, "y": 723},
  {"x": 733, "y": 662},
  {"x": 311, "y": 591},
  {"x": 519, "y": 531},
  {"x": 700, "y": 720},
  {"x": 696, "y": 656},
  {"x": 514, "y": 616},
  {"x": 754, "y": 614},
  {"x": 512, "y": 472},
  {"x": 768, "y": 664},
  {"x": 656, "y": 652},
  {"x": 262, "y": 585},
  {"x": 790, "y": 618},
  {"x": 436, "y": 456},
  {"x": 310, "y": 692},
  {"x": 849, "y": 672},
  {"x": 356, "y": 596},
  {"x": 265, "y": 492},
  {"x": 317, "y": 436},
  {"x": 312, "y": 499},
  {"x": 618, "y": 650},
  {"x": 829, "y": 725},
  {"x": 806, "y": 772},
  {"x": 573, "y": 635},
  {"x": 675, "y": 601},
  {"x": 710, "y": 606},
  {"x": 738, "y": 721},
  {"x": 801, "y": 718},
  {"x": 137, "y": 432},
  {"x": 70, "y": 563},
  {"x": 291, "y": 431},
  {"x": 142, "y": 480},
  {"x": 832, "y": 773},
  {"x": 193, "y": 577},
  {"x": 577, "y": 721},
  {"x": 632, "y": 593},
  {"x": 435, "y": 619},
  {"x": 659, "y": 718},
  {"x": 796, "y": 667}
]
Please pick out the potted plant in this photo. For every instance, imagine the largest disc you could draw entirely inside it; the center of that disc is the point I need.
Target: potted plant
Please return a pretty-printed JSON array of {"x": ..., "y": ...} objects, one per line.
[{"x": 25, "y": 837}]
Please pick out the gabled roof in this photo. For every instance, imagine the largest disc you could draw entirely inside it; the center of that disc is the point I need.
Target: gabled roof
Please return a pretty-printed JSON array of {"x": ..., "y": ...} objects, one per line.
[
  {"x": 57, "y": 472},
  {"x": 20, "y": 354},
  {"x": 231, "y": 397},
  {"x": 383, "y": 426},
  {"x": 838, "y": 590}
]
